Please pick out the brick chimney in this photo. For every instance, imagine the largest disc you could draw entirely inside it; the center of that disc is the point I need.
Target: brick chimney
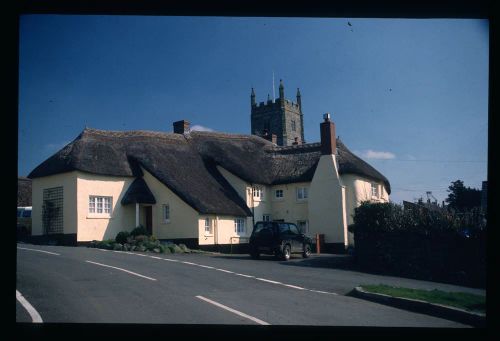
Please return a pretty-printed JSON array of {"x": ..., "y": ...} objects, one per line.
[
  {"x": 328, "y": 142},
  {"x": 181, "y": 127},
  {"x": 274, "y": 138}
]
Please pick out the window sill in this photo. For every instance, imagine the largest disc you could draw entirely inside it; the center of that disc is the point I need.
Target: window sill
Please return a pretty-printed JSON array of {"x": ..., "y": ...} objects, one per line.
[
  {"x": 99, "y": 216},
  {"x": 165, "y": 222},
  {"x": 209, "y": 234},
  {"x": 301, "y": 201}
]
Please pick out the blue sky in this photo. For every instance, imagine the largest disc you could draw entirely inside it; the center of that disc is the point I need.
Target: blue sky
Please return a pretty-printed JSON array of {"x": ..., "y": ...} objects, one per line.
[{"x": 410, "y": 96}]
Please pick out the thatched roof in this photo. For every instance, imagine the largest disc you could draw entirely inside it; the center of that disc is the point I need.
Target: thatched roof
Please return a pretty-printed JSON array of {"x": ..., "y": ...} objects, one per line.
[
  {"x": 187, "y": 163},
  {"x": 138, "y": 192}
]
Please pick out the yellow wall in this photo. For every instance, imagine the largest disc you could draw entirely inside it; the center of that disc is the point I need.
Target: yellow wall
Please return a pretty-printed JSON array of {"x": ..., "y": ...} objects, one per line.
[
  {"x": 68, "y": 182},
  {"x": 93, "y": 226},
  {"x": 183, "y": 218},
  {"x": 289, "y": 207},
  {"x": 223, "y": 230},
  {"x": 358, "y": 189},
  {"x": 326, "y": 214}
]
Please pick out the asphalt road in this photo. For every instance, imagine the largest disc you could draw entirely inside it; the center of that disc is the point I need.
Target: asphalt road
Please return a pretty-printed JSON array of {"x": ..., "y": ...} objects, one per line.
[{"x": 84, "y": 285}]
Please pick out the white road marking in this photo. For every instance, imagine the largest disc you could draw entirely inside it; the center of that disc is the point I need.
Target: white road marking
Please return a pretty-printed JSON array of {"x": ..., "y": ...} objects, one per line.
[
  {"x": 35, "y": 316},
  {"x": 323, "y": 292},
  {"x": 267, "y": 280},
  {"x": 171, "y": 260},
  {"x": 244, "y": 275},
  {"x": 52, "y": 253},
  {"x": 189, "y": 263},
  {"x": 229, "y": 272},
  {"x": 293, "y": 286},
  {"x": 130, "y": 272},
  {"x": 206, "y": 266},
  {"x": 254, "y": 319},
  {"x": 103, "y": 250}
]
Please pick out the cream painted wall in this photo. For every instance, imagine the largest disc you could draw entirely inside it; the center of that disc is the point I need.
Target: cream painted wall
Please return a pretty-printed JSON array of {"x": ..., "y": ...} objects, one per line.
[
  {"x": 183, "y": 218},
  {"x": 358, "y": 189},
  {"x": 326, "y": 214},
  {"x": 68, "y": 182},
  {"x": 289, "y": 207},
  {"x": 223, "y": 230},
  {"x": 94, "y": 226}
]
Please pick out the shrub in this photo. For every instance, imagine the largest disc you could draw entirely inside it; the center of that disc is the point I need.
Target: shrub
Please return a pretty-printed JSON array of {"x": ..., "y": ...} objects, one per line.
[
  {"x": 184, "y": 248},
  {"x": 141, "y": 239},
  {"x": 166, "y": 249},
  {"x": 122, "y": 237},
  {"x": 174, "y": 248},
  {"x": 139, "y": 230},
  {"x": 118, "y": 247}
]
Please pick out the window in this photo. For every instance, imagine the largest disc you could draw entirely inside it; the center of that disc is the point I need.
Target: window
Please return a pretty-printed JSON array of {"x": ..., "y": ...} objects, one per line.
[
  {"x": 278, "y": 194},
  {"x": 258, "y": 193},
  {"x": 293, "y": 125},
  {"x": 374, "y": 190},
  {"x": 301, "y": 193},
  {"x": 166, "y": 213},
  {"x": 100, "y": 204},
  {"x": 293, "y": 229},
  {"x": 208, "y": 226},
  {"x": 266, "y": 217},
  {"x": 239, "y": 225}
]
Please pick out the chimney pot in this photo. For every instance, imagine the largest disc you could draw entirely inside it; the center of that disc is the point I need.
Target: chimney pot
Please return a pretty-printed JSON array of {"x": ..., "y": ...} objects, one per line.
[
  {"x": 181, "y": 127},
  {"x": 274, "y": 138},
  {"x": 326, "y": 117}
]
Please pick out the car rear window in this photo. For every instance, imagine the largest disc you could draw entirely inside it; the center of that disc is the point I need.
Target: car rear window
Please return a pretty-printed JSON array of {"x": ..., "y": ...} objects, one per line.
[
  {"x": 262, "y": 228},
  {"x": 19, "y": 212},
  {"x": 26, "y": 214}
]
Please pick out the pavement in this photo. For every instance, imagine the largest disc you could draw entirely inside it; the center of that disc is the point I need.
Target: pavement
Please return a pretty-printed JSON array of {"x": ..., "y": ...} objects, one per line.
[{"x": 79, "y": 284}]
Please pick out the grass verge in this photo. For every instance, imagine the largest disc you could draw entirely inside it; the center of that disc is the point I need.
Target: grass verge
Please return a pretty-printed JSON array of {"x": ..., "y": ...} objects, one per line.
[{"x": 462, "y": 300}]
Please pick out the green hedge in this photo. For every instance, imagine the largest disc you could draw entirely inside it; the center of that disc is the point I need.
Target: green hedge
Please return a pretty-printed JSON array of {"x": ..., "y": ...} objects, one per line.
[{"x": 419, "y": 243}]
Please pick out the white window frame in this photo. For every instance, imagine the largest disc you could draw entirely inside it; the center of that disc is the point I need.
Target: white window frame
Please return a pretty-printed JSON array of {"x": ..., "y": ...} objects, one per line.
[
  {"x": 208, "y": 227},
  {"x": 239, "y": 226},
  {"x": 302, "y": 193},
  {"x": 165, "y": 211},
  {"x": 276, "y": 194},
  {"x": 266, "y": 217},
  {"x": 100, "y": 205},
  {"x": 258, "y": 193}
]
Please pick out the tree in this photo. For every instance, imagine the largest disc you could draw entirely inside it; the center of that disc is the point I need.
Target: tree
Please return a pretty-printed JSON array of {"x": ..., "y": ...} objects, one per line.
[{"x": 463, "y": 198}]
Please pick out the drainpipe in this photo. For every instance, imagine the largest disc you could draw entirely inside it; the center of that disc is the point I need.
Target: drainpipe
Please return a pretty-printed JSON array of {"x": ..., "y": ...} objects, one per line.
[
  {"x": 216, "y": 230},
  {"x": 253, "y": 206},
  {"x": 136, "y": 214}
]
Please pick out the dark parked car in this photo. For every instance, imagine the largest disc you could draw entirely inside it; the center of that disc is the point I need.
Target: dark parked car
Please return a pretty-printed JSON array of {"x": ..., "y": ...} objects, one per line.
[{"x": 280, "y": 239}]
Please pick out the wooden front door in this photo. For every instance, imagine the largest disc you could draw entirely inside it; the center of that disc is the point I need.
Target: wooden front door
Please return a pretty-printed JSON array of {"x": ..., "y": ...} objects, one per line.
[{"x": 149, "y": 219}]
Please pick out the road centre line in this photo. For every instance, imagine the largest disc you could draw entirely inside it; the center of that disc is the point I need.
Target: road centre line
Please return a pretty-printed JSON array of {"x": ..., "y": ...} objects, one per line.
[
  {"x": 52, "y": 253},
  {"x": 267, "y": 280},
  {"x": 130, "y": 272},
  {"x": 35, "y": 316},
  {"x": 235, "y": 273},
  {"x": 254, "y": 319}
]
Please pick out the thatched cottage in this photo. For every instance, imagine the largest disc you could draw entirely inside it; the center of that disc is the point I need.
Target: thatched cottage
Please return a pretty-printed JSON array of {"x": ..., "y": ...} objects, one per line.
[{"x": 205, "y": 189}]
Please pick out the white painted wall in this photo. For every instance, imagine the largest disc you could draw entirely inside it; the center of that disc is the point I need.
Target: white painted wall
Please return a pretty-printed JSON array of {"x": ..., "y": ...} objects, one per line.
[
  {"x": 326, "y": 207},
  {"x": 223, "y": 230},
  {"x": 289, "y": 207}
]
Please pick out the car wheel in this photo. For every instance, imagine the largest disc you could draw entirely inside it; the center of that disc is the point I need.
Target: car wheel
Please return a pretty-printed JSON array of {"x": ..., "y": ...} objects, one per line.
[
  {"x": 286, "y": 252},
  {"x": 307, "y": 251}
]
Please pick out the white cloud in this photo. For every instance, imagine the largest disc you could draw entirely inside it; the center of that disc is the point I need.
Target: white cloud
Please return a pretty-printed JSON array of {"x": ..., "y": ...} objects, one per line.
[
  {"x": 198, "y": 127},
  {"x": 377, "y": 155},
  {"x": 53, "y": 147}
]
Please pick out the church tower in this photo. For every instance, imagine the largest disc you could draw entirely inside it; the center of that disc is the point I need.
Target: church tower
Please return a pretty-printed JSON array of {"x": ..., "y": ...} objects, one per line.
[{"x": 279, "y": 117}]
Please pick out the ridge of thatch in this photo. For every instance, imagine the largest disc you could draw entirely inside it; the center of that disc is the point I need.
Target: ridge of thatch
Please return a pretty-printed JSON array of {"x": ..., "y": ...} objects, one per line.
[{"x": 186, "y": 163}]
